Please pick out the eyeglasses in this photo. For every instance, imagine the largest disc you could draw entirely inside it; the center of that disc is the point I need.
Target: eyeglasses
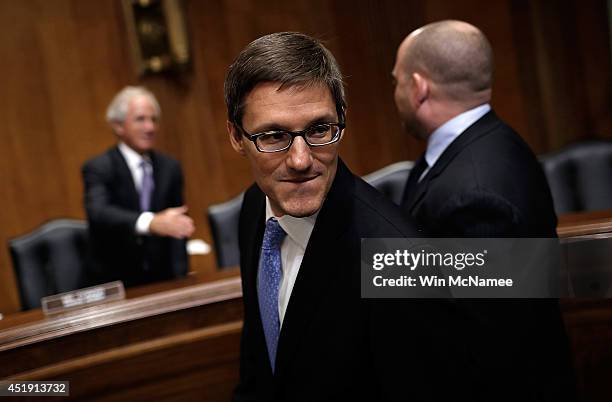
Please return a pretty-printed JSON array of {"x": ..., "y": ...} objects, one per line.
[{"x": 280, "y": 140}]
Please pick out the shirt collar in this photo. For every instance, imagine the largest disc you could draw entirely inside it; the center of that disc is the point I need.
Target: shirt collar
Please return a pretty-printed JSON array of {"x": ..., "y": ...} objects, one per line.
[
  {"x": 444, "y": 135},
  {"x": 298, "y": 229},
  {"x": 133, "y": 158}
]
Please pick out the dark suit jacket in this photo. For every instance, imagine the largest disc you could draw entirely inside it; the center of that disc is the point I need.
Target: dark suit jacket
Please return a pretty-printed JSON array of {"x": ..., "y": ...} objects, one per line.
[
  {"x": 335, "y": 346},
  {"x": 112, "y": 206},
  {"x": 488, "y": 183}
]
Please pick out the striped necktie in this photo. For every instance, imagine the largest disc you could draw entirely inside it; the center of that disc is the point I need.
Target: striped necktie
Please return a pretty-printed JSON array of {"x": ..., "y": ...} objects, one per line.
[{"x": 146, "y": 189}]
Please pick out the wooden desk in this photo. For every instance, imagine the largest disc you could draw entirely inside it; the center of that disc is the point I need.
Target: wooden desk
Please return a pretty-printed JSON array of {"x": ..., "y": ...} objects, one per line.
[
  {"x": 589, "y": 321},
  {"x": 180, "y": 340},
  {"x": 169, "y": 341},
  {"x": 585, "y": 223}
]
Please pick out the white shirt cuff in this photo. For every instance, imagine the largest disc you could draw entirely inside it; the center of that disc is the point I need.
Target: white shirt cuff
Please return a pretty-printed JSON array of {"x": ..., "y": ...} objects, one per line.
[{"x": 143, "y": 222}]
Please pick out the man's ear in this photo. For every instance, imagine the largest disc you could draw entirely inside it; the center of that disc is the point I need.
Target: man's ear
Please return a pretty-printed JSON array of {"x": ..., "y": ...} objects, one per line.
[
  {"x": 344, "y": 120},
  {"x": 118, "y": 129},
  {"x": 236, "y": 138},
  {"x": 420, "y": 88}
]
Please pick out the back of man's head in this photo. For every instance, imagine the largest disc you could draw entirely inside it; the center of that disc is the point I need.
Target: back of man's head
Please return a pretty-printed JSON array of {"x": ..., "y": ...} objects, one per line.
[
  {"x": 455, "y": 55},
  {"x": 289, "y": 58}
]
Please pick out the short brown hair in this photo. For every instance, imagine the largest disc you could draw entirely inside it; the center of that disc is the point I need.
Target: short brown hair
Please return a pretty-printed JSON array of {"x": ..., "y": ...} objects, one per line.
[{"x": 290, "y": 58}]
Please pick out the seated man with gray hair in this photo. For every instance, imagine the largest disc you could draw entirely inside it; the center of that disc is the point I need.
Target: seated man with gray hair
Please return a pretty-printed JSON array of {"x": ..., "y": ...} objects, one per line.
[{"x": 134, "y": 199}]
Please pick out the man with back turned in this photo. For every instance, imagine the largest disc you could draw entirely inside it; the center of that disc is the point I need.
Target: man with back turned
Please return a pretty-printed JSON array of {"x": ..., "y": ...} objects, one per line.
[{"x": 478, "y": 178}]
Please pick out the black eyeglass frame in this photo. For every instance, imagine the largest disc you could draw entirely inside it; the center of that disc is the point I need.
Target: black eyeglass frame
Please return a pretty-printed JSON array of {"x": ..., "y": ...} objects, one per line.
[{"x": 293, "y": 134}]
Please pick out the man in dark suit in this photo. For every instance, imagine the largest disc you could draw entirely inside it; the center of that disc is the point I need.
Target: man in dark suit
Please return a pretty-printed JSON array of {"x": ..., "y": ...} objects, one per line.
[
  {"x": 478, "y": 178},
  {"x": 134, "y": 199},
  {"x": 307, "y": 335}
]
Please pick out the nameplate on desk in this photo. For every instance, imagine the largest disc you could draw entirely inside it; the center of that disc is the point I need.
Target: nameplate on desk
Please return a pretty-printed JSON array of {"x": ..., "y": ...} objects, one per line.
[{"x": 80, "y": 298}]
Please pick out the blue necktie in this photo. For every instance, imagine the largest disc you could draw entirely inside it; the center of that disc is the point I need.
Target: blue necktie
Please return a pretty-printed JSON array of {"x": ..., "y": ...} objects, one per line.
[
  {"x": 147, "y": 186},
  {"x": 270, "y": 273}
]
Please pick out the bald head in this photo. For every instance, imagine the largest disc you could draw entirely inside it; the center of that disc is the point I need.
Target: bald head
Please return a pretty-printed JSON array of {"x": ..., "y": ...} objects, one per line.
[{"x": 454, "y": 55}]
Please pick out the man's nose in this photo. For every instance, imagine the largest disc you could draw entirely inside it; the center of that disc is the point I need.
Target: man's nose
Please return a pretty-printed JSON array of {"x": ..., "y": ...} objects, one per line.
[
  {"x": 150, "y": 124},
  {"x": 299, "y": 156}
]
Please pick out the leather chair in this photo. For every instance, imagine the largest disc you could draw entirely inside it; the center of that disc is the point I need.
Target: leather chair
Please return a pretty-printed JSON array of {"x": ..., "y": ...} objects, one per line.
[
  {"x": 50, "y": 260},
  {"x": 391, "y": 180},
  {"x": 580, "y": 176},
  {"x": 223, "y": 219}
]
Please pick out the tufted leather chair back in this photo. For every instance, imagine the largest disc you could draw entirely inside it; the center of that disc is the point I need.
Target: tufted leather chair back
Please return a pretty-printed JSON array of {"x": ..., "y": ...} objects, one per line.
[
  {"x": 50, "y": 260},
  {"x": 391, "y": 180},
  {"x": 223, "y": 219},
  {"x": 580, "y": 176}
]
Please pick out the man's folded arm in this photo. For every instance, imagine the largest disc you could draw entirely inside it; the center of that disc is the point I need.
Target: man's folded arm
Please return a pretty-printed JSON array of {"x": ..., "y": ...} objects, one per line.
[{"x": 479, "y": 213}]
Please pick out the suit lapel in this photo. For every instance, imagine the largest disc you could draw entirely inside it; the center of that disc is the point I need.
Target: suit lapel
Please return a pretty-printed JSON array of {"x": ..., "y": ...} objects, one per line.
[
  {"x": 311, "y": 287},
  {"x": 126, "y": 179},
  {"x": 480, "y": 128},
  {"x": 414, "y": 188},
  {"x": 420, "y": 192},
  {"x": 251, "y": 237}
]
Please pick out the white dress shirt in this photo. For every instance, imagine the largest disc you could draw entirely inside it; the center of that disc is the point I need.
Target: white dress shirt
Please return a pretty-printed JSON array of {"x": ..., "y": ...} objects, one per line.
[
  {"x": 134, "y": 160},
  {"x": 444, "y": 135},
  {"x": 292, "y": 252}
]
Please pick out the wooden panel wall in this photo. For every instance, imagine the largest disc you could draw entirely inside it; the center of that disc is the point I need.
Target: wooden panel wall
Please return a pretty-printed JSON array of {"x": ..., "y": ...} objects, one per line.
[{"x": 63, "y": 60}]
